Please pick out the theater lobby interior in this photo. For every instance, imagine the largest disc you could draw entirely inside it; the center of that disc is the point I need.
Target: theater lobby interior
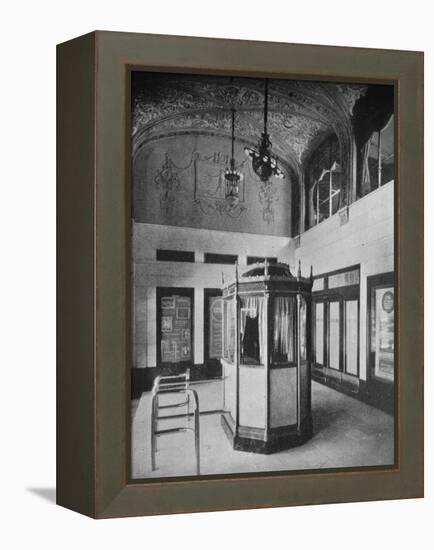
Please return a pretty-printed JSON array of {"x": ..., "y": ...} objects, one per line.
[{"x": 262, "y": 302}]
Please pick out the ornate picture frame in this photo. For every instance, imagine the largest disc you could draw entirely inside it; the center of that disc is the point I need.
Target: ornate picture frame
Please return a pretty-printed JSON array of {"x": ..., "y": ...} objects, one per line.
[{"x": 94, "y": 290}]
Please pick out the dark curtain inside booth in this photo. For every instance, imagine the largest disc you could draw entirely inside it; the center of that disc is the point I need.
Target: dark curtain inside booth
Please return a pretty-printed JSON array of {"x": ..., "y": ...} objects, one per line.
[
  {"x": 253, "y": 329},
  {"x": 284, "y": 308}
]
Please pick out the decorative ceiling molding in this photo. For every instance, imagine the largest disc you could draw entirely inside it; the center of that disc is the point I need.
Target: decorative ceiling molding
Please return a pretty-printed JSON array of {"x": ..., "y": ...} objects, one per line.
[
  {"x": 301, "y": 113},
  {"x": 350, "y": 93}
]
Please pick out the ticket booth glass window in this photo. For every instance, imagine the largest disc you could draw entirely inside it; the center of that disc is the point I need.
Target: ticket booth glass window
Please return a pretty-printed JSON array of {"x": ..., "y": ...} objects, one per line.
[
  {"x": 229, "y": 330},
  {"x": 284, "y": 323},
  {"x": 253, "y": 327},
  {"x": 214, "y": 326},
  {"x": 303, "y": 329}
]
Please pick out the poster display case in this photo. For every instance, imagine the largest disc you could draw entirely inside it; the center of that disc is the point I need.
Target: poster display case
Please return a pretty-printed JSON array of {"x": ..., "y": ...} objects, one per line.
[{"x": 175, "y": 326}]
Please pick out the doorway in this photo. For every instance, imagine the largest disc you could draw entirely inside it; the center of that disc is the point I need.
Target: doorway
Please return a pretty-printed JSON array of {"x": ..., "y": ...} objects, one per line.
[{"x": 213, "y": 327}]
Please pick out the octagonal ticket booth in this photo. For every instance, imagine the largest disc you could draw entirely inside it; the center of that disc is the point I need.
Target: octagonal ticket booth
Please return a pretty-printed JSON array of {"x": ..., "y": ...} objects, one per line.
[{"x": 266, "y": 358}]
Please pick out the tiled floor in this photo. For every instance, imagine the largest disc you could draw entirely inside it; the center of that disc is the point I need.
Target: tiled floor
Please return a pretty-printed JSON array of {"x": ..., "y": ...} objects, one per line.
[{"x": 347, "y": 433}]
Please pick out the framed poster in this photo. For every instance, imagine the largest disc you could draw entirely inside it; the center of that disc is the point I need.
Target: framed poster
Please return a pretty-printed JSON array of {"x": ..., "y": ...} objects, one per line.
[
  {"x": 385, "y": 334},
  {"x": 381, "y": 330},
  {"x": 190, "y": 159}
]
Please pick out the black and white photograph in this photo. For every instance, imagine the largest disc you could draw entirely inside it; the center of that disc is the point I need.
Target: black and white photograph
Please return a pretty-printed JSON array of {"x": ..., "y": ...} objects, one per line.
[
  {"x": 262, "y": 275},
  {"x": 217, "y": 227}
]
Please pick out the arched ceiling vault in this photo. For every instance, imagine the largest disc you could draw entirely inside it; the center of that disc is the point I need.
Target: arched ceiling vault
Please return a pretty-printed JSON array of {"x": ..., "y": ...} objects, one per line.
[{"x": 301, "y": 113}]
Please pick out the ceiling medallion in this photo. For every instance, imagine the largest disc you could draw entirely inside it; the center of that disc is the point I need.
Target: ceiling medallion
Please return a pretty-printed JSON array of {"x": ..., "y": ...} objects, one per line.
[
  {"x": 263, "y": 162},
  {"x": 232, "y": 176}
]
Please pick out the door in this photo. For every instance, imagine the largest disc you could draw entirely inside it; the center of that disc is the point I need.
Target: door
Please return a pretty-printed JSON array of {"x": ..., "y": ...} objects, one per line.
[
  {"x": 334, "y": 334},
  {"x": 351, "y": 337},
  {"x": 319, "y": 329},
  {"x": 213, "y": 326}
]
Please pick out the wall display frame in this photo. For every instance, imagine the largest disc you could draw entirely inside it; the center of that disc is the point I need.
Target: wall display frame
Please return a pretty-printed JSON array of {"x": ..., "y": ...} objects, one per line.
[{"x": 94, "y": 291}]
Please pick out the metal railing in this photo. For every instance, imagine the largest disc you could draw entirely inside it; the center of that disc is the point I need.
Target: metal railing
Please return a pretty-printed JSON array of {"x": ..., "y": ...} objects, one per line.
[{"x": 166, "y": 385}]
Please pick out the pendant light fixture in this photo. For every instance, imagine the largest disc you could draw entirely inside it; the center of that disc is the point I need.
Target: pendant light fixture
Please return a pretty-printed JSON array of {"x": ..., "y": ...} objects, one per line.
[
  {"x": 232, "y": 176},
  {"x": 264, "y": 163}
]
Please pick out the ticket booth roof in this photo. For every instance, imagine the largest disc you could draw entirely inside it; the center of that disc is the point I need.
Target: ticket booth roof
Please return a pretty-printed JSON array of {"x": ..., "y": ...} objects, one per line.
[{"x": 271, "y": 277}]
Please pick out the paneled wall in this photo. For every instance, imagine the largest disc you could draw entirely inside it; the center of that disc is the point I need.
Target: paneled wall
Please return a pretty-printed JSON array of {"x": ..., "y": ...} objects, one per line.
[{"x": 365, "y": 239}]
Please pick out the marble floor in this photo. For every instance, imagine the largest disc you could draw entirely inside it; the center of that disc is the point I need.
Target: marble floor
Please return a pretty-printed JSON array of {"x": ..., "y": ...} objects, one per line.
[{"x": 347, "y": 433}]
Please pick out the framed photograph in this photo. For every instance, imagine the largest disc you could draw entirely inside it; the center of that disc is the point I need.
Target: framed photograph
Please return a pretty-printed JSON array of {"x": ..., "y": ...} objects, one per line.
[{"x": 240, "y": 274}]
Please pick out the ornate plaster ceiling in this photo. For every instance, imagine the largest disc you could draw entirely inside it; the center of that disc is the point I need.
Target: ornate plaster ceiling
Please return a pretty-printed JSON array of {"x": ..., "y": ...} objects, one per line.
[{"x": 301, "y": 113}]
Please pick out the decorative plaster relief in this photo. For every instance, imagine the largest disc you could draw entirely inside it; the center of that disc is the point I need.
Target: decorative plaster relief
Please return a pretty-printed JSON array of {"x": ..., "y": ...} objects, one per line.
[
  {"x": 299, "y": 110},
  {"x": 181, "y": 182},
  {"x": 210, "y": 186},
  {"x": 288, "y": 132},
  {"x": 350, "y": 93},
  {"x": 267, "y": 197},
  {"x": 169, "y": 183}
]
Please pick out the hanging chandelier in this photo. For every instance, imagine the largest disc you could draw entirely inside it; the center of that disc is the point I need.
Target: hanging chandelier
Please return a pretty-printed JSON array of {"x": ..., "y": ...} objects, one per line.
[
  {"x": 264, "y": 163},
  {"x": 232, "y": 176}
]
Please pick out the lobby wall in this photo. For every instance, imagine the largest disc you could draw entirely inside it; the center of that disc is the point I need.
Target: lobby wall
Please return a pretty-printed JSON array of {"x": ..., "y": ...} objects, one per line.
[
  {"x": 179, "y": 181},
  {"x": 148, "y": 274},
  {"x": 366, "y": 239}
]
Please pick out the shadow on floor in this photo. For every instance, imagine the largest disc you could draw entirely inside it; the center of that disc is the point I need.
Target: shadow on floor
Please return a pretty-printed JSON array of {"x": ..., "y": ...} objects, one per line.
[
  {"x": 47, "y": 493},
  {"x": 323, "y": 417}
]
